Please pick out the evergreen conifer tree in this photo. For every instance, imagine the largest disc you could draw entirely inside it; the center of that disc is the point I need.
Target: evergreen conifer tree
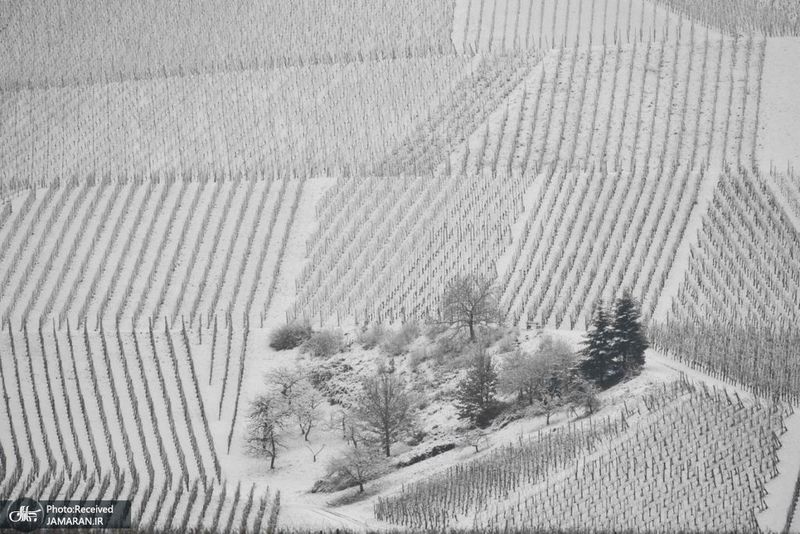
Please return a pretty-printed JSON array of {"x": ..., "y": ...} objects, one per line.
[
  {"x": 601, "y": 364},
  {"x": 475, "y": 397},
  {"x": 629, "y": 340}
]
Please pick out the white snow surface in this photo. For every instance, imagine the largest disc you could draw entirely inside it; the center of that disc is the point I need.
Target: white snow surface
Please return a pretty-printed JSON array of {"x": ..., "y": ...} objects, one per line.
[
  {"x": 778, "y": 136},
  {"x": 295, "y": 472}
]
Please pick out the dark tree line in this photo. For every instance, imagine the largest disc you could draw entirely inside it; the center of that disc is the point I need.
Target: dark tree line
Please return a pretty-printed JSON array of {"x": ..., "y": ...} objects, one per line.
[
  {"x": 554, "y": 376},
  {"x": 615, "y": 343}
]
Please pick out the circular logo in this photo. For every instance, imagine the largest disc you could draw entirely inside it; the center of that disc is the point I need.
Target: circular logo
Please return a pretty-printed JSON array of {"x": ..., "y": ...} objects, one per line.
[{"x": 25, "y": 514}]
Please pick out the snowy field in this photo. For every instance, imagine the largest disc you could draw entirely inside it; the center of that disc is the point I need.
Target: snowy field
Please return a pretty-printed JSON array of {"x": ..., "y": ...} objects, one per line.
[{"x": 779, "y": 139}]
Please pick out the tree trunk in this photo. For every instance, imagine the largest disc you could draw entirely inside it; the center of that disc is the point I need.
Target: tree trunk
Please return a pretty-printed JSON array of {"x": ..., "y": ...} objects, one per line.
[
  {"x": 360, "y": 487},
  {"x": 386, "y": 446},
  {"x": 471, "y": 331}
]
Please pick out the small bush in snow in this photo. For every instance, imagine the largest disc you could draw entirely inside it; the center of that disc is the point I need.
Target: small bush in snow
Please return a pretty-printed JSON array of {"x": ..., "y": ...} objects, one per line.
[
  {"x": 324, "y": 344},
  {"x": 447, "y": 347},
  {"x": 289, "y": 336},
  {"x": 488, "y": 335},
  {"x": 416, "y": 357},
  {"x": 508, "y": 343},
  {"x": 356, "y": 466},
  {"x": 372, "y": 337},
  {"x": 397, "y": 343}
]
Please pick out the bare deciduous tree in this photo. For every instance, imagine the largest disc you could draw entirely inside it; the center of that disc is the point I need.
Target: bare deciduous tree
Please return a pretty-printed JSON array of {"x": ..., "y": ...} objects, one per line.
[
  {"x": 268, "y": 417},
  {"x": 520, "y": 376},
  {"x": 285, "y": 379},
  {"x": 384, "y": 409},
  {"x": 584, "y": 394},
  {"x": 478, "y": 440},
  {"x": 302, "y": 400},
  {"x": 544, "y": 379},
  {"x": 315, "y": 453},
  {"x": 306, "y": 407},
  {"x": 468, "y": 301},
  {"x": 358, "y": 464},
  {"x": 351, "y": 426}
]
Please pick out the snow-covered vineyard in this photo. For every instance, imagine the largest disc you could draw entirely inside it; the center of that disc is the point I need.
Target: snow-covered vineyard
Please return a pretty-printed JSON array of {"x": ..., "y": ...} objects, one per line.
[{"x": 403, "y": 265}]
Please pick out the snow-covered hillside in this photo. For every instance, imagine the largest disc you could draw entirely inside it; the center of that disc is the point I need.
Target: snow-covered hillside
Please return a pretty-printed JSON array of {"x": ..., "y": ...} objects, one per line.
[{"x": 179, "y": 182}]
